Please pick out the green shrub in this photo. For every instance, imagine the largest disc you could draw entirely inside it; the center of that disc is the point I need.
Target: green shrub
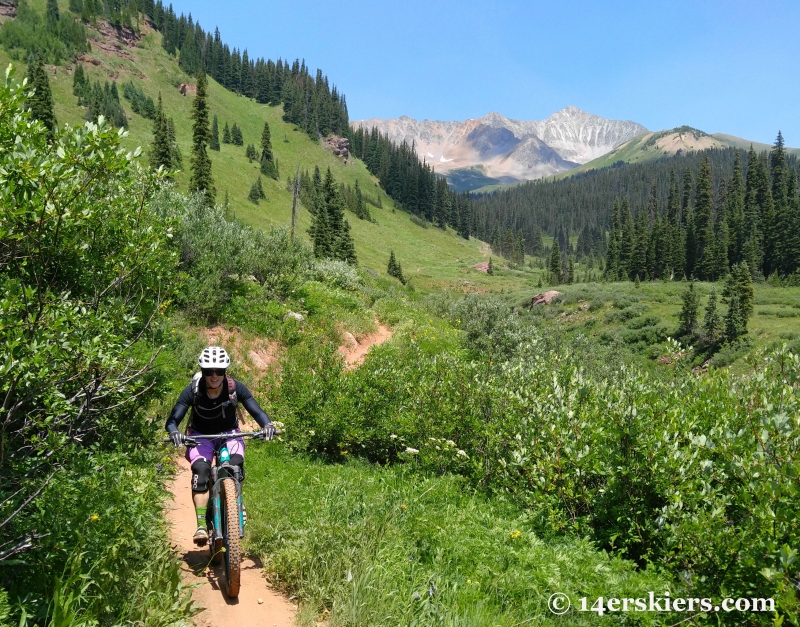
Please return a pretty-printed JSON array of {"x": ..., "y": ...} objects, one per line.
[
  {"x": 218, "y": 255},
  {"x": 644, "y": 321},
  {"x": 626, "y": 313},
  {"x": 5, "y": 609},
  {"x": 86, "y": 270},
  {"x": 730, "y": 352},
  {"x": 336, "y": 273}
]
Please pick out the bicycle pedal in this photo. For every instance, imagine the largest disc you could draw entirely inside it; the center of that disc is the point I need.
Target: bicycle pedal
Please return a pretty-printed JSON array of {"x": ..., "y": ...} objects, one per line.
[{"x": 200, "y": 537}]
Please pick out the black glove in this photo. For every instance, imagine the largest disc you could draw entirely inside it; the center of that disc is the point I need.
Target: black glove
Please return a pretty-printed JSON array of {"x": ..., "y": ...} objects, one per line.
[
  {"x": 268, "y": 432},
  {"x": 178, "y": 438}
]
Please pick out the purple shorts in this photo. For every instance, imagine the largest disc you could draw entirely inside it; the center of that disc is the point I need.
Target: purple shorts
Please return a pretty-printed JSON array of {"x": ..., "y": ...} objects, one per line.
[{"x": 205, "y": 448}]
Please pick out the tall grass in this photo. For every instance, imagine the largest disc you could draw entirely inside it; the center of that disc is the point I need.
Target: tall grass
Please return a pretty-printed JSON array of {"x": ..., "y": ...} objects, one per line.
[{"x": 376, "y": 546}]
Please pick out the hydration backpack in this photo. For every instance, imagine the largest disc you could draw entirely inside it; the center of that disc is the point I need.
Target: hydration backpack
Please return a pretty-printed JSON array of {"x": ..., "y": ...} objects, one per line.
[{"x": 232, "y": 400}]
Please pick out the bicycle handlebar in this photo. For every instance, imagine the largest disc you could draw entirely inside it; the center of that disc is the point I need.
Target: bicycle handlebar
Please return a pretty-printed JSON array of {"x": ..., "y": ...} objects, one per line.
[{"x": 192, "y": 439}]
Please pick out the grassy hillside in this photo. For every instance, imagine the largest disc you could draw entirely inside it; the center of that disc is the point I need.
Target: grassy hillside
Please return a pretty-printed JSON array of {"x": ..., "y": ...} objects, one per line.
[
  {"x": 651, "y": 146},
  {"x": 432, "y": 258}
]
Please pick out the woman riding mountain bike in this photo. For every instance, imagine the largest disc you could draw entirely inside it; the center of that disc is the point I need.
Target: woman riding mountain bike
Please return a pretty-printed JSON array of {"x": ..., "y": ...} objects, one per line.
[{"x": 213, "y": 397}]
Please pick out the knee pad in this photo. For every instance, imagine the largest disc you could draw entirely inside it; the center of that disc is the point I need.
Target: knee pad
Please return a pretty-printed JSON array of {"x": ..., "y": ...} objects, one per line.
[
  {"x": 238, "y": 460},
  {"x": 201, "y": 471}
]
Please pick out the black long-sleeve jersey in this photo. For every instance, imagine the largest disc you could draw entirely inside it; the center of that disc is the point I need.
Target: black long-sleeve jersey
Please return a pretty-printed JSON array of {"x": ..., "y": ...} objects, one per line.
[{"x": 214, "y": 415}]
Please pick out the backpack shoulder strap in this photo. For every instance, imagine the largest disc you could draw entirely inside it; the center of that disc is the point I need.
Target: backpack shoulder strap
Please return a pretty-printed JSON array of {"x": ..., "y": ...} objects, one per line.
[
  {"x": 196, "y": 386},
  {"x": 232, "y": 391}
]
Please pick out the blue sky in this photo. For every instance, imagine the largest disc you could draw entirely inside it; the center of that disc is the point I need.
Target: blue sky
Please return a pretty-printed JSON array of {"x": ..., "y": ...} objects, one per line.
[{"x": 725, "y": 66}]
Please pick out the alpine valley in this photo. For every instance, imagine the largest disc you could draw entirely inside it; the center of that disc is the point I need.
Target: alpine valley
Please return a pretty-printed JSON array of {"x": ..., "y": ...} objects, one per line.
[{"x": 480, "y": 154}]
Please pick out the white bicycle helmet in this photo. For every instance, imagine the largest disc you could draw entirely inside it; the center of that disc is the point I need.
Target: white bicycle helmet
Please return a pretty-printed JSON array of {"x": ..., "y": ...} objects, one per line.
[{"x": 214, "y": 357}]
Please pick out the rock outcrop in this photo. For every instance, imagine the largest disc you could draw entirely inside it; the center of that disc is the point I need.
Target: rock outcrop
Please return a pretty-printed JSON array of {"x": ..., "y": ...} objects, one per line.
[
  {"x": 8, "y": 8},
  {"x": 545, "y": 298}
]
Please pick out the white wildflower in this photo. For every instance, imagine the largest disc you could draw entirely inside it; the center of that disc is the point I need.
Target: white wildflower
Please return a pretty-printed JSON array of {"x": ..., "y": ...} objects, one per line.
[
  {"x": 411, "y": 451},
  {"x": 461, "y": 453}
]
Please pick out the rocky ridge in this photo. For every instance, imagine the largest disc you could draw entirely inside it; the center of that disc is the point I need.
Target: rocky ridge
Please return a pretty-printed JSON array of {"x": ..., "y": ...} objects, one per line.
[{"x": 501, "y": 147}]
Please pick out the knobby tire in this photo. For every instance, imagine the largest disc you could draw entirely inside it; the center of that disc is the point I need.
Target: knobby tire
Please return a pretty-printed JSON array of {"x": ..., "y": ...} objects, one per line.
[{"x": 230, "y": 525}]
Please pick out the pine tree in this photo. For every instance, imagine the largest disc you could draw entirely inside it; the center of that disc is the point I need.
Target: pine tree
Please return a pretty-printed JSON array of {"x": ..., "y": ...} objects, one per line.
[
  {"x": 226, "y": 134},
  {"x": 711, "y": 320},
  {"x": 783, "y": 208},
  {"x": 735, "y": 322},
  {"x": 201, "y": 178},
  {"x": 490, "y": 268},
  {"x": 570, "y": 270},
  {"x": 393, "y": 269},
  {"x": 78, "y": 80},
  {"x": 254, "y": 196},
  {"x": 175, "y": 151},
  {"x": 52, "y": 15},
  {"x": 250, "y": 152},
  {"x": 267, "y": 158},
  {"x": 40, "y": 98},
  {"x": 614, "y": 243},
  {"x": 627, "y": 243},
  {"x": 320, "y": 232},
  {"x": 236, "y": 135},
  {"x": 688, "y": 315},
  {"x": 345, "y": 250},
  {"x": 555, "y": 263},
  {"x": 739, "y": 283},
  {"x": 161, "y": 151},
  {"x": 703, "y": 225},
  {"x": 361, "y": 209},
  {"x": 214, "y": 143}
]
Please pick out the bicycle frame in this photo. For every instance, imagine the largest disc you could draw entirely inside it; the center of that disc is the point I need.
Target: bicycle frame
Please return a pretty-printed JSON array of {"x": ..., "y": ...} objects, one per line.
[{"x": 219, "y": 472}]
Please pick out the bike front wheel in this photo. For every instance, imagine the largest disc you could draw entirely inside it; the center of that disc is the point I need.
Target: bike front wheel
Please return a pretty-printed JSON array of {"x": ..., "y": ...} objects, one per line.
[{"x": 230, "y": 537}]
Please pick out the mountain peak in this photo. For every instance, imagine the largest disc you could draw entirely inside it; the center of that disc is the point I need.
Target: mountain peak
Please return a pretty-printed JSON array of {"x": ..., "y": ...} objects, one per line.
[{"x": 507, "y": 148}]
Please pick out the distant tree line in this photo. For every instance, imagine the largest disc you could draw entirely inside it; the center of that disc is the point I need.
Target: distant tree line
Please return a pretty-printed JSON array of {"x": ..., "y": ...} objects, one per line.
[
  {"x": 309, "y": 102},
  {"x": 751, "y": 216},
  {"x": 412, "y": 182},
  {"x": 52, "y": 38},
  {"x": 582, "y": 204},
  {"x": 119, "y": 13}
]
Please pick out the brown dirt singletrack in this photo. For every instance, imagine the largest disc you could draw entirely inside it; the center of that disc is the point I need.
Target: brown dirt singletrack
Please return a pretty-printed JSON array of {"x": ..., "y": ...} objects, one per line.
[{"x": 257, "y": 604}]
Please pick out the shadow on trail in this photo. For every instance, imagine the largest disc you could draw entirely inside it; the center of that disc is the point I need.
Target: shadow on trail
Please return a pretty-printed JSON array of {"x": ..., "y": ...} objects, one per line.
[{"x": 198, "y": 561}]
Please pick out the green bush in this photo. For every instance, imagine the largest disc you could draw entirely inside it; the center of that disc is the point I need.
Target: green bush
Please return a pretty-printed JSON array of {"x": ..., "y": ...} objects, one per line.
[
  {"x": 628, "y": 312},
  {"x": 644, "y": 321},
  {"x": 86, "y": 272},
  {"x": 217, "y": 255},
  {"x": 337, "y": 273}
]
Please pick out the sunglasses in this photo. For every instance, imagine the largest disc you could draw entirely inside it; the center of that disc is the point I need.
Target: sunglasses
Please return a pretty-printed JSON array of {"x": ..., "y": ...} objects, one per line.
[{"x": 210, "y": 372}]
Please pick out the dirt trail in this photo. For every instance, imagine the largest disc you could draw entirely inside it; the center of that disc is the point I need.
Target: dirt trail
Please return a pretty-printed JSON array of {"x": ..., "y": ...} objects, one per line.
[
  {"x": 355, "y": 351},
  {"x": 257, "y": 604}
]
